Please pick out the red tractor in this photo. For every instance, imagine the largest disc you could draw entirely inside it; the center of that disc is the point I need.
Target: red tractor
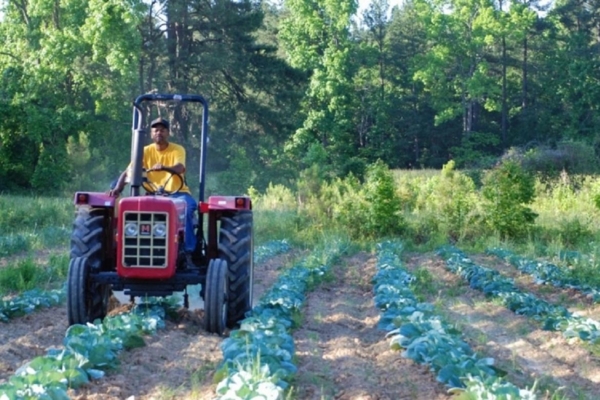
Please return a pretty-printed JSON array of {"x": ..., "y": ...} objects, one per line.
[{"x": 135, "y": 244}]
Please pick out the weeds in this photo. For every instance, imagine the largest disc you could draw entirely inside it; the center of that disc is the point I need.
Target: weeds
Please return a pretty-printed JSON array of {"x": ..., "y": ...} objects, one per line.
[{"x": 26, "y": 274}]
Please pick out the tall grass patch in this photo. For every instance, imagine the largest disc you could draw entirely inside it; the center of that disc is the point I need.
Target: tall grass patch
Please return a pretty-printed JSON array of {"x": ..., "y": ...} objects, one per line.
[
  {"x": 27, "y": 274},
  {"x": 275, "y": 214},
  {"x": 22, "y": 213}
]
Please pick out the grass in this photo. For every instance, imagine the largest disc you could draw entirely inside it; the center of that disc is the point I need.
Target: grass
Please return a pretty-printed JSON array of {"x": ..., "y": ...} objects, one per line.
[
  {"x": 26, "y": 274},
  {"x": 425, "y": 284},
  {"x": 33, "y": 223},
  {"x": 24, "y": 213}
]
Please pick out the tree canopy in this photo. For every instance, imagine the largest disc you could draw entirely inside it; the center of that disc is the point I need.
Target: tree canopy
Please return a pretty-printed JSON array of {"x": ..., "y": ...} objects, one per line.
[{"x": 294, "y": 84}]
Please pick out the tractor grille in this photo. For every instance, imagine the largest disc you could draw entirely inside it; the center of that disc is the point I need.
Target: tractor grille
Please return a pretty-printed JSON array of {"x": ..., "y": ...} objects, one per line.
[{"x": 145, "y": 240}]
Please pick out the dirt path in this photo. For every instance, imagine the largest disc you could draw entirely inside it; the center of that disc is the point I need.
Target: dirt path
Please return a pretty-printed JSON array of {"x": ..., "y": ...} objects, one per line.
[
  {"x": 177, "y": 363},
  {"x": 342, "y": 355},
  {"x": 30, "y": 336},
  {"x": 518, "y": 343}
]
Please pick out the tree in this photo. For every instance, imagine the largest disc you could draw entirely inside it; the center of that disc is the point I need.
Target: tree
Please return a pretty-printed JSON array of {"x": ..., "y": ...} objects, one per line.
[{"x": 316, "y": 37}]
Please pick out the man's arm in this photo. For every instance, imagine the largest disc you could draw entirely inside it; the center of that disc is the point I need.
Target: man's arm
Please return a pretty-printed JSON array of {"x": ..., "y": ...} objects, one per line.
[
  {"x": 120, "y": 185},
  {"x": 178, "y": 168}
]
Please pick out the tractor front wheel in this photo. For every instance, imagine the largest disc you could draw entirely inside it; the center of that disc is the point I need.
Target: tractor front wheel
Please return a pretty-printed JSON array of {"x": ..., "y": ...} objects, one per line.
[
  {"x": 215, "y": 297},
  {"x": 236, "y": 247},
  {"x": 86, "y": 300}
]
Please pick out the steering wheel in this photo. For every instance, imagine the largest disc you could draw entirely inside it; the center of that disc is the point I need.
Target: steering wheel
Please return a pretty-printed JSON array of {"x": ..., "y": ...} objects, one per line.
[{"x": 153, "y": 188}]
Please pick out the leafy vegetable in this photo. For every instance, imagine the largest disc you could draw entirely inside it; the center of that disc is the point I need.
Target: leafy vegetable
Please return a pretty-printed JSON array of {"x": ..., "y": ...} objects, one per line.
[
  {"x": 492, "y": 283},
  {"x": 258, "y": 357},
  {"x": 427, "y": 339}
]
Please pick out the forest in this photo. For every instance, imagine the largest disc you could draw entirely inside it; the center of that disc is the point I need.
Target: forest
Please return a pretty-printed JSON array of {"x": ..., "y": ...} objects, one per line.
[{"x": 298, "y": 86}]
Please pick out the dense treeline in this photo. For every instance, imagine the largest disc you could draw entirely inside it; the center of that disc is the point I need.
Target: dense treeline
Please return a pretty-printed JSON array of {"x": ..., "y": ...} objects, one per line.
[{"x": 301, "y": 86}]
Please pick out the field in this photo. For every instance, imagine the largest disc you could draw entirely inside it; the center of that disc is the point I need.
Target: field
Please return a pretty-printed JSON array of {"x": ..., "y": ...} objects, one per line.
[{"x": 422, "y": 304}]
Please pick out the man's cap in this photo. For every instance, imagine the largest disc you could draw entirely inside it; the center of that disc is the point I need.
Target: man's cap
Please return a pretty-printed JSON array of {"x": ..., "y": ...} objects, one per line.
[{"x": 160, "y": 121}]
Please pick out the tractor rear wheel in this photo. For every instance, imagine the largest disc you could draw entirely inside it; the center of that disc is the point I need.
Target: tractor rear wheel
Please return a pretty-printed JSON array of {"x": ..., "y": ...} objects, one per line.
[
  {"x": 236, "y": 247},
  {"x": 86, "y": 300},
  {"x": 215, "y": 297},
  {"x": 87, "y": 237}
]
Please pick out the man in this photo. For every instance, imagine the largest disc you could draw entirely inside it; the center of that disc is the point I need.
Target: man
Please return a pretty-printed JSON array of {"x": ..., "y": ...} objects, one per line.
[{"x": 157, "y": 156}]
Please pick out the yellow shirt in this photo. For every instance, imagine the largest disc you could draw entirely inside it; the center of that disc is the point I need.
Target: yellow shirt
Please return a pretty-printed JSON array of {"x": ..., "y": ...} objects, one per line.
[{"x": 174, "y": 154}]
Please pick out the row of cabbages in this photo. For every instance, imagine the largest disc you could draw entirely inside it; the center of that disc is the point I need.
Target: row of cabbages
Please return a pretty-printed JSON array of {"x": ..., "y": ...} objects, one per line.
[
  {"x": 427, "y": 339},
  {"x": 258, "y": 357},
  {"x": 552, "y": 317}
]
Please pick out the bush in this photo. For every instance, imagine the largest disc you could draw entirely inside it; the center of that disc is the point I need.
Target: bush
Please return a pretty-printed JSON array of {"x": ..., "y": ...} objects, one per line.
[
  {"x": 507, "y": 189},
  {"x": 373, "y": 210},
  {"x": 550, "y": 161},
  {"x": 450, "y": 204}
]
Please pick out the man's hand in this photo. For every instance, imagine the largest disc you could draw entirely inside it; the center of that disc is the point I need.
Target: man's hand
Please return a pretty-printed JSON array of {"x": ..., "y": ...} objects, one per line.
[{"x": 118, "y": 188}]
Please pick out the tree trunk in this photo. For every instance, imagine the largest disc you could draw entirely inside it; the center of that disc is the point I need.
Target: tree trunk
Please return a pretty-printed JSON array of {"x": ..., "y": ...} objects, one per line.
[
  {"x": 524, "y": 102},
  {"x": 504, "y": 106}
]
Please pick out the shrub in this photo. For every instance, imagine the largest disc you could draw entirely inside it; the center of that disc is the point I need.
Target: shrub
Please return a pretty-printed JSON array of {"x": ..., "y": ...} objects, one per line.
[
  {"x": 449, "y": 203},
  {"x": 384, "y": 217},
  {"x": 507, "y": 189},
  {"x": 550, "y": 161}
]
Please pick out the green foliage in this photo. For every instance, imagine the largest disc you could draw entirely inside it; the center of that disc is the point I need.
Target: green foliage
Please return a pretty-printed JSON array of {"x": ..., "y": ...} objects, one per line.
[
  {"x": 364, "y": 211},
  {"x": 549, "y": 162},
  {"x": 276, "y": 204},
  {"x": 30, "y": 301},
  {"x": 476, "y": 150},
  {"x": 239, "y": 176},
  {"x": 383, "y": 214},
  {"x": 13, "y": 244},
  {"x": 51, "y": 172},
  {"x": 26, "y": 274},
  {"x": 449, "y": 204},
  {"x": 22, "y": 213},
  {"x": 316, "y": 38},
  {"x": 508, "y": 189}
]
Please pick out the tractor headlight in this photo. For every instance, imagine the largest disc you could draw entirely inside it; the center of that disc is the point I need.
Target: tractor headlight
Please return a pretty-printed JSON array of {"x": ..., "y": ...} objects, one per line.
[
  {"x": 131, "y": 229},
  {"x": 160, "y": 230}
]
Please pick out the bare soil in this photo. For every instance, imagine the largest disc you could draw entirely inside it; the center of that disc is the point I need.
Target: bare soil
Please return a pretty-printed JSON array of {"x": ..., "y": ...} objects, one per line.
[
  {"x": 526, "y": 352},
  {"x": 340, "y": 353}
]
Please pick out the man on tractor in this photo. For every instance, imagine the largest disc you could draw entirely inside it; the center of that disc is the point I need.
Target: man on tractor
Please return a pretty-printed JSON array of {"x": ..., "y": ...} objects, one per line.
[{"x": 164, "y": 163}]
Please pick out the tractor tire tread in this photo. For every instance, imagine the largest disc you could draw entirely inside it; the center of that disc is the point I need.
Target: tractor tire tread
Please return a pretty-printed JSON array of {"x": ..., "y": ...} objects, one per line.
[{"x": 235, "y": 246}]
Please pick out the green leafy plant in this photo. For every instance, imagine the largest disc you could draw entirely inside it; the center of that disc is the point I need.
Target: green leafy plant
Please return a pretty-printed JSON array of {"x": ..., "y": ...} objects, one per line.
[
  {"x": 260, "y": 353},
  {"x": 492, "y": 283},
  {"x": 508, "y": 189},
  {"x": 449, "y": 204},
  {"x": 426, "y": 338}
]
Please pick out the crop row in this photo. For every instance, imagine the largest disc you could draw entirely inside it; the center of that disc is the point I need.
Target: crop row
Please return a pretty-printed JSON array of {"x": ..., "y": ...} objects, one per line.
[
  {"x": 90, "y": 349},
  {"x": 427, "y": 339},
  {"x": 492, "y": 283},
  {"x": 258, "y": 357},
  {"x": 29, "y": 301},
  {"x": 544, "y": 272}
]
